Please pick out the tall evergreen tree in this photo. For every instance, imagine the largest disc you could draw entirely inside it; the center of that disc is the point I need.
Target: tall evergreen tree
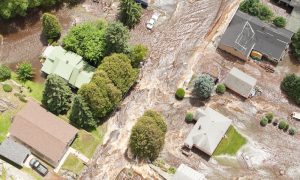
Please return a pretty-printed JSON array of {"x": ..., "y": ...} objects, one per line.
[
  {"x": 131, "y": 13},
  {"x": 81, "y": 114},
  {"x": 57, "y": 95}
]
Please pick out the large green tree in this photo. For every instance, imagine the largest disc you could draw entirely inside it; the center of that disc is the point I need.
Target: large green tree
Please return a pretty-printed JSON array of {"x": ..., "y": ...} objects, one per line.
[
  {"x": 12, "y": 8},
  {"x": 51, "y": 26},
  {"x": 130, "y": 13},
  {"x": 116, "y": 38},
  {"x": 100, "y": 95},
  {"x": 148, "y": 135},
  {"x": 87, "y": 40},
  {"x": 291, "y": 86},
  {"x": 296, "y": 45},
  {"x": 256, "y": 8},
  {"x": 56, "y": 95},
  {"x": 204, "y": 86},
  {"x": 119, "y": 70},
  {"x": 81, "y": 114}
]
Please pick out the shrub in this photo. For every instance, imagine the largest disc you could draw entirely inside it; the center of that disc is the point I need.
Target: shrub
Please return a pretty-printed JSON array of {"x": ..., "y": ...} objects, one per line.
[
  {"x": 263, "y": 121},
  {"x": 279, "y": 21},
  {"x": 137, "y": 54},
  {"x": 255, "y": 8},
  {"x": 147, "y": 138},
  {"x": 51, "y": 26},
  {"x": 291, "y": 86},
  {"x": 292, "y": 131},
  {"x": 180, "y": 93},
  {"x": 296, "y": 45},
  {"x": 7, "y": 88},
  {"x": 189, "y": 117},
  {"x": 5, "y": 73},
  {"x": 286, "y": 127},
  {"x": 204, "y": 86},
  {"x": 171, "y": 170},
  {"x": 270, "y": 116},
  {"x": 221, "y": 88},
  {"x": 282, "y": 124},
  {"x": 56, "y": 95},
  {"x": 24, "y": 71}
]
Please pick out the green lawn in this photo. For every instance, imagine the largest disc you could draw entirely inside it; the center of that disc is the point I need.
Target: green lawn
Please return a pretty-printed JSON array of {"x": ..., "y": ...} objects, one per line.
[
  {"x": 35, "y": 90},
  {"x": 73, "y": 164},
  {"x": 231, "y": 144},
  {"x": 86, "y": 143},
  {"x": 4, "y": 124}
]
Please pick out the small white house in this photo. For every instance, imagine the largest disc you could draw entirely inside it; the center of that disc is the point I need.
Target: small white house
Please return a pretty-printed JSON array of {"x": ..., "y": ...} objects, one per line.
[{"x": 240, "y": 82}]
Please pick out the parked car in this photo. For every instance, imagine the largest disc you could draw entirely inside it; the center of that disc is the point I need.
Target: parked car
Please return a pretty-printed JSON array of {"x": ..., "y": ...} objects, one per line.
[
  {"x": 152, "y": 21},
  {"x": 296, "y": 115},
  {"x": 143, "y": 3},
  {"x": 38, "y": 167}
]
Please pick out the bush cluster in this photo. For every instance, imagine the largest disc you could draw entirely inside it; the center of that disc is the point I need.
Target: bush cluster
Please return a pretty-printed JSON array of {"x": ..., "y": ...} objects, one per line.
[
  {"x": 256, "y": 8},
  {"x": 292, "y": 131},
  {"x": 279, "y": 21},
  {"x": 148, "y": 135},
  {"x": 270, "y": 117},
  {"x": 94, "y": 41},
  {"x": 24, "y": 71},
  {"x": 180, "y": 93},
  {"x": 291, "y": 86},
  {"x": 221, "y": 88},
  {"x": 7, "y": 88},
  {"x": 5, "y": 73}
]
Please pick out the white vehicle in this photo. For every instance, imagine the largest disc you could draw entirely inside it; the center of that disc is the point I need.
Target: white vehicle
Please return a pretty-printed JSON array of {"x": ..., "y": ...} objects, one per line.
[
  {"x": 296, "y": 115},
  {"x": 152, "y": 21}
]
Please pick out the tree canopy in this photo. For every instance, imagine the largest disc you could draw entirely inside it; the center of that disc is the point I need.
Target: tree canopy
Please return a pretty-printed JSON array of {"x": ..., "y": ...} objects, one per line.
[
  {"x": 25, "y": 71},
  {"x": 279, "y": 21},
  {"x": 81, "y": 114},
  {"x": 137, "y": 54},
  {"x": 130, "y": 13},
  {"x": 12, "y": 8},
  {"x": 116, "y": 38},
  {"x": 56, "y": 95},
  {"x": 255, "y": 8},
  {"x": 119, "y": 70},
  {"x": 204, "y": 86},
  {"x": 148, "y": 135},
  {"x": 51, "y": 26},
  {"x": 87, "y": 40},
  {"x": 291, "y": 86},
  {"x": 296, "y": 45}
]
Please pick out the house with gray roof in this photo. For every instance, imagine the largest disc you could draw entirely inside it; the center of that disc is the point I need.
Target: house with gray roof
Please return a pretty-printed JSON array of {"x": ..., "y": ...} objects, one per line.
[
  {"x": 14, "y": 151},
  {"x": 67, "y": 65},
  {"x": 246, "y": 33},
  {"x": 184, "y": 172},
  {"x": 240, "y": 82},
  {"x": 209, "y": 130}
]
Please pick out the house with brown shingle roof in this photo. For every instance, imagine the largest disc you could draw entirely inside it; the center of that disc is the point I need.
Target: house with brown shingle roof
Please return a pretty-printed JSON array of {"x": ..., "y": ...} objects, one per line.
[{"x": 47, "y": 136}]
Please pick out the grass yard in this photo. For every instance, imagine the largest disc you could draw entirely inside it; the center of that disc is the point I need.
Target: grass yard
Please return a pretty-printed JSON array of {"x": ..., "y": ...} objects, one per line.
[
  {"x": 231, "y": 144},
  {"x": 4, "y": 124},
  {"x": 73, "y": 164},
  {"x": 32, "y": 173},
  {"x": 86, "y": 143},
  {"x": 35, "y": 90}
]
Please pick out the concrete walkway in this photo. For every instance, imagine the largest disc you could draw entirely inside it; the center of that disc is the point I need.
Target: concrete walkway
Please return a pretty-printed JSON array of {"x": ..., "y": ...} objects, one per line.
[
  {"x": 61, "y": 162},
  {"x": 79, "y": 155}
]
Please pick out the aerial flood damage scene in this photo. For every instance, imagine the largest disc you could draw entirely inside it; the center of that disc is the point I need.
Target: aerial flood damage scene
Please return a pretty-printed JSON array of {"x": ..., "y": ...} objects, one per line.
[{"x": 149, "y": 89}]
